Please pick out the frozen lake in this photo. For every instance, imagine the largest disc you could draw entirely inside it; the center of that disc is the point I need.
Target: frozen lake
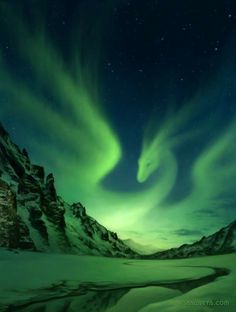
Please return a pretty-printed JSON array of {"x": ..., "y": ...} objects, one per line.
[{"x": 44, "y": 282}]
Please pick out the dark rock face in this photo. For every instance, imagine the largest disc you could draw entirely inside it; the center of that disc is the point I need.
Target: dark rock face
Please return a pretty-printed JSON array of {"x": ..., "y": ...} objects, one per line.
[
  {"x": 38, "y": 172},
  {"x": 8, "y": 217},
  {"x": 78, "y": 211},
  {"x": 24, "y": 240},
  {"x": 221, "y": 242},
  {"x": 33, "y": 216},
  {"x": 50, "y": 205},
  {"x": 13, "y": 231}
]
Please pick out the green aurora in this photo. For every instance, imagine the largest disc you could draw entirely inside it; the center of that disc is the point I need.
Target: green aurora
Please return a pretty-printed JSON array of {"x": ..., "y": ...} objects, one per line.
[{"x": 83, "y": 148}]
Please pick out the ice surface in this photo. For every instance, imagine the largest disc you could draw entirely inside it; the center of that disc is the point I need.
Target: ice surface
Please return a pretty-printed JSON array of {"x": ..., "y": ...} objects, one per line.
[{"x": 28, "y": 276}]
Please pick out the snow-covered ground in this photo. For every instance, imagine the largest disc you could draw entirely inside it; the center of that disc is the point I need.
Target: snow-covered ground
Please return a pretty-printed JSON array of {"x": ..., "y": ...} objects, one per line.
[{"x": 32, "y": 281}]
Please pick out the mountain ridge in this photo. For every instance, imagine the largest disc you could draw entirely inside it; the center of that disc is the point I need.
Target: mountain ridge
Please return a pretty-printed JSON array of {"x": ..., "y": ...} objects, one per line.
[
  {"x": 221, "y": 242},
  {"x": 34, "y": 217}
]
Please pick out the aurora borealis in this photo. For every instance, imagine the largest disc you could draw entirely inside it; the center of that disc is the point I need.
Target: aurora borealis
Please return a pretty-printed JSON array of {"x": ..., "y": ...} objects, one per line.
[{"x": 131, "y": 104}]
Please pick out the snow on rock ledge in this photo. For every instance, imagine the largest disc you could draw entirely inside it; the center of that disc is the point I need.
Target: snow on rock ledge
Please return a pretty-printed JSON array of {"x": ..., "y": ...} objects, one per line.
[{"x": 33, "y": 216}]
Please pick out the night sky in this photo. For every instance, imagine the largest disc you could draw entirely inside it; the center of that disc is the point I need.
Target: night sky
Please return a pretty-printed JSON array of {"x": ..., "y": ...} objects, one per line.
[{"x": 132, "y": 106}]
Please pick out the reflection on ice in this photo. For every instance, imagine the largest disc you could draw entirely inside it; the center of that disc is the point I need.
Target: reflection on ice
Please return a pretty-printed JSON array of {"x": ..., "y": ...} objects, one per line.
[{"x": 110, "y": 298}]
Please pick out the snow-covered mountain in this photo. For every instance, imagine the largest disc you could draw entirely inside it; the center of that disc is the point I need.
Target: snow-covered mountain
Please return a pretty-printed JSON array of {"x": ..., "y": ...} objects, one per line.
[
  {"x": 140, "y": 248},
  {"x": 34, "y": 217},
  {"x": 221, "y": 242}
]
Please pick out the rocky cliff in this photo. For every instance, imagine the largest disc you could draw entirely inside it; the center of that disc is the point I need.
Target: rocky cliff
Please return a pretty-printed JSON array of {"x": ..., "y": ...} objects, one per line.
[{"x": 34, "y": 217}]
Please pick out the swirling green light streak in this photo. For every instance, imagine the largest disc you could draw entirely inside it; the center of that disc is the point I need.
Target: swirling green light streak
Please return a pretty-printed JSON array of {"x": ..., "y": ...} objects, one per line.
[
  {"x": 85, "y": 129},
  {"x": 213, "y": 178},
  {"x": 82, "y": 148},
  {"x": 91, "y": 149}
]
